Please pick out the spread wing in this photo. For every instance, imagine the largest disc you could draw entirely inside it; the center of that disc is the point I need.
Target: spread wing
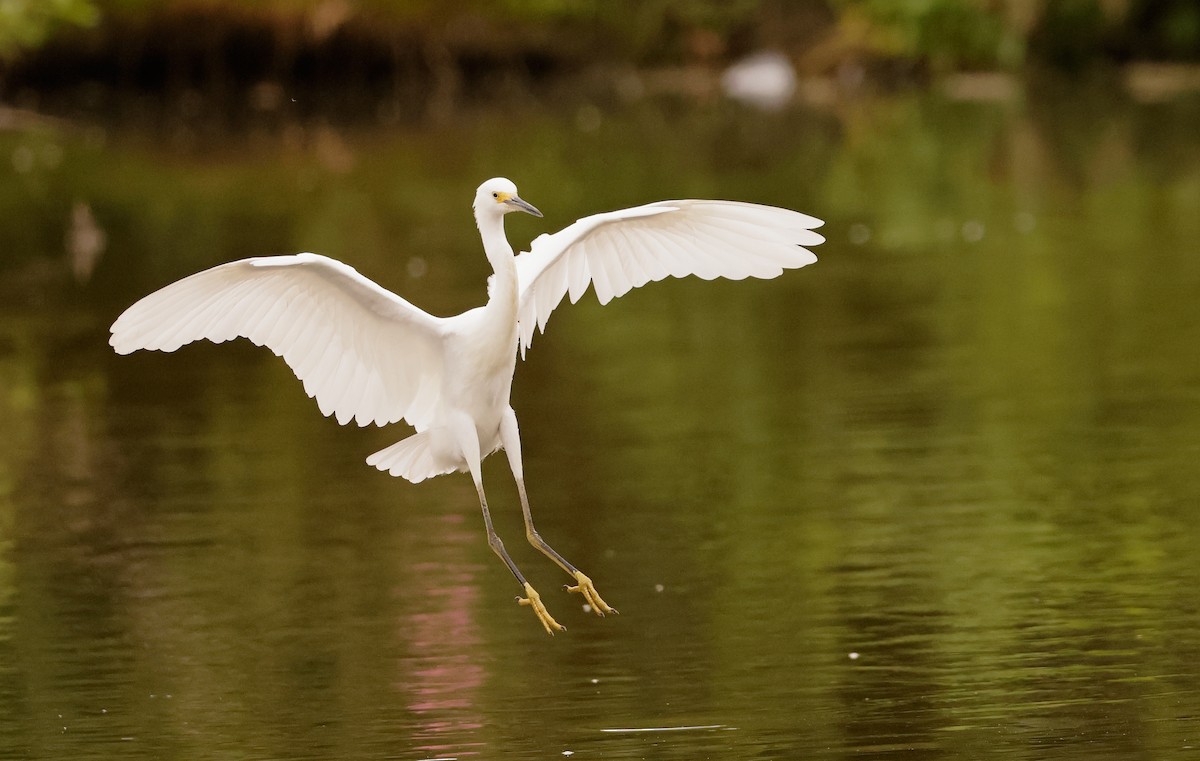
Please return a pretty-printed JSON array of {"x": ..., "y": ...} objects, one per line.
[
  {"x": 363, "y": 352},
  {"x": 621, "y": 250}
]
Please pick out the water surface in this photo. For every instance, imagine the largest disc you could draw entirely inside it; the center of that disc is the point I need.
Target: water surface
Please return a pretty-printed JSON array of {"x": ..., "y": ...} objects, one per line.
[{"x": 935, "y": 496}]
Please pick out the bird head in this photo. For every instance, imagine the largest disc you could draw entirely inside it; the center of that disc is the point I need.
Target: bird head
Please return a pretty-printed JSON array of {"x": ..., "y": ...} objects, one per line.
[{"x": 498, "y": 196}]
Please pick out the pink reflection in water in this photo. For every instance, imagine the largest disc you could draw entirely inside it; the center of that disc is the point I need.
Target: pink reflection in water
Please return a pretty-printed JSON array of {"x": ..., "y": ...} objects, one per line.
[{"x": 444, "y": 683}]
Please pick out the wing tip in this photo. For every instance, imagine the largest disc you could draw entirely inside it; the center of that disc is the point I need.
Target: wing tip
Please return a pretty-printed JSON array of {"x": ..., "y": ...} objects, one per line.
[{"x": 123, "y": 343}]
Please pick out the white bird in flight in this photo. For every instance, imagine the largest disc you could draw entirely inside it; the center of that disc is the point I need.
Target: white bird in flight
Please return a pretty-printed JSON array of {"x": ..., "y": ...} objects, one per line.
[{"x": 368, "y": 355}]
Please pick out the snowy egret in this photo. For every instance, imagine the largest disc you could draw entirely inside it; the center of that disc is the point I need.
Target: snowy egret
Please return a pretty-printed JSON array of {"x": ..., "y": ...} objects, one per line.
[{"x": 368, "y": 355}]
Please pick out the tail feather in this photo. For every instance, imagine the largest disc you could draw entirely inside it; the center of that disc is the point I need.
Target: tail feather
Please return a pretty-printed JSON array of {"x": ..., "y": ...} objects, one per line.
[{"x": 412, "y": 459}]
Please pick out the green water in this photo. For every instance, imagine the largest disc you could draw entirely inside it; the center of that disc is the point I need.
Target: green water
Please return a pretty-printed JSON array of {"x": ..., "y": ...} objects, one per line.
[{"x": 935, "y": 496}]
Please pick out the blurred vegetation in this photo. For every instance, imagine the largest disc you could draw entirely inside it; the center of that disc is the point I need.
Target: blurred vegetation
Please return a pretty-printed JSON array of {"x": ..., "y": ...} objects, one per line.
[
  {"x": 27, "y": 24},
  {"x": 958, "y": 34},
  {"x": 44, "y": 41}
]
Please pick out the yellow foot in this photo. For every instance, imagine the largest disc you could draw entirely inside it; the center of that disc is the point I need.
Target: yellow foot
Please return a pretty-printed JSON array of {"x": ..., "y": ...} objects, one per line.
[
  {"x": 588, "y": 590},
  {"x": 533, "y": 600}
]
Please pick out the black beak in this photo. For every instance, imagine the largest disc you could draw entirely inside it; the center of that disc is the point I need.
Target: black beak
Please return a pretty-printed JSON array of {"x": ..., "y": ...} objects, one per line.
[{"x": 524, "y": 206}]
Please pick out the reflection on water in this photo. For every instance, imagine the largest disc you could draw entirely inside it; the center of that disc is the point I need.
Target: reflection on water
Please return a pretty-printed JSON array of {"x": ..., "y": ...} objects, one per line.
[{"x": 934, "y": 496}]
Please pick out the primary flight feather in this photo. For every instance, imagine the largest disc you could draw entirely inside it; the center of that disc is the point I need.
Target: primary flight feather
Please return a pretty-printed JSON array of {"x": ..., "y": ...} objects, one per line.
[{"x": 367, "y": 355}]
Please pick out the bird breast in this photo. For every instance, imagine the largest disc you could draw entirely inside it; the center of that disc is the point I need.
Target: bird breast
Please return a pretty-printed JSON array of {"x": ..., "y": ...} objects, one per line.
[{"x": 480, "y": 361}]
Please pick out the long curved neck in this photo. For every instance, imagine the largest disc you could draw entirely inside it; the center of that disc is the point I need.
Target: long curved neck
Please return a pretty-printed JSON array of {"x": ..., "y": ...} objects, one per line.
[{"x": 503, "y": 290}]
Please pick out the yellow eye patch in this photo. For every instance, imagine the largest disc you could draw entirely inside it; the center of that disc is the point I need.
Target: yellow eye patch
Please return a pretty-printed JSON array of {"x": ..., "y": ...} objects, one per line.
[{"x": 501, "y": 196}]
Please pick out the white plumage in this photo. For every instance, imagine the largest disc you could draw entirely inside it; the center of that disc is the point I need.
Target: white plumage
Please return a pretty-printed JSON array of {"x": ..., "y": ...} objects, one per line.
[
  {"x": 367, "y": 355},
  {"x": 362, "y": 352},
  {"x": 621, "y": 250}
]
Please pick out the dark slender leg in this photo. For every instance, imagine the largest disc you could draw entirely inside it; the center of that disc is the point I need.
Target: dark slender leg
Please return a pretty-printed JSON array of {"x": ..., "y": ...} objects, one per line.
[
  {"x": 494, "y": 540},
  {"x": 583, "y": 585},
  {"x": 511, "y": 439},
  {"x": 531, "y": 598},
  {"x": 464, "y": 429}
]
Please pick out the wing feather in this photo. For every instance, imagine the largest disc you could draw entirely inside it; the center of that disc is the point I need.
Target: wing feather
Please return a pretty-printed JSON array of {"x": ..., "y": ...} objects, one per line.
[
  {"x": 578, "y": 277},
  {"x": 362, "y": 352},
  {"x": 627, "y": 273},
  {"x": 601, "y": 274},
  {"x": 617, "y": 251}
]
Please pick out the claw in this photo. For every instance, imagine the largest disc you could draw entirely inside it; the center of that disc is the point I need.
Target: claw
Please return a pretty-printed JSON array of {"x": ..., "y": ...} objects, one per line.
[
  {"x": 534, "y": 600},
  {"x": 588, "y": 590}
]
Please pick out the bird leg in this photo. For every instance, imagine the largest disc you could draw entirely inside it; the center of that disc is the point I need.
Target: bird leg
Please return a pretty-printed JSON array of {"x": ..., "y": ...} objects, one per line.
[
  {"x": 468, "y": 440},
  {"x": 531, "y": 598},
  {"x": 510, "y": 439},
  {"x": 583, "y": 585}
]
